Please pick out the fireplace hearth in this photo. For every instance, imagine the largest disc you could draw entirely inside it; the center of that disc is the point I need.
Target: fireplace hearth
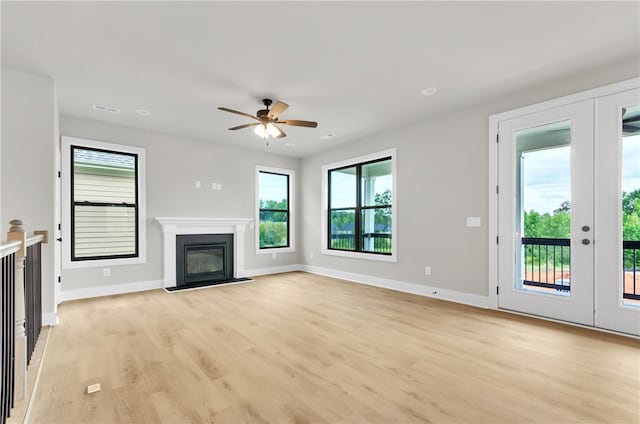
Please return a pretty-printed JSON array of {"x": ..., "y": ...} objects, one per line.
[{"x": 204, "y": 258}]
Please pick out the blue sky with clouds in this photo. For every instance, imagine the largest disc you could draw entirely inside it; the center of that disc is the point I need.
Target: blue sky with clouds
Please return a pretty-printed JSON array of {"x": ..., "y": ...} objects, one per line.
[{"x": 547, "y": 180}]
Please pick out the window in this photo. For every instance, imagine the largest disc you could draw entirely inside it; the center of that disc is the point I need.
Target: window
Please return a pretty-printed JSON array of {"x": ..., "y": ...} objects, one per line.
[
  {"x": 274, "y": 210},
  {"x": 359, "y": 218},
  {"x": 103, "y": 203}
]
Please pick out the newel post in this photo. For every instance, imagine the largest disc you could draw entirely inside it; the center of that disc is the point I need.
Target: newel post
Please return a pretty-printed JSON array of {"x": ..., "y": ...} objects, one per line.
[{"x": 17, "y": 233}]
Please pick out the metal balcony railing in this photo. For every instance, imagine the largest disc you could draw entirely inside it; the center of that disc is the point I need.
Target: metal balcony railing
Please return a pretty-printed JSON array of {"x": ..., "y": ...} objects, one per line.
[
  {"x": 547, "y": 264},
  {"x": 631, "y": 266},
  {"x": 381, "y": 242}
]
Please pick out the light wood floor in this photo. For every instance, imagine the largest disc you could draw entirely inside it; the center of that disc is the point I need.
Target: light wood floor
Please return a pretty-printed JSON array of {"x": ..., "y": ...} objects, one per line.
[{"x": 301, "y": 348}]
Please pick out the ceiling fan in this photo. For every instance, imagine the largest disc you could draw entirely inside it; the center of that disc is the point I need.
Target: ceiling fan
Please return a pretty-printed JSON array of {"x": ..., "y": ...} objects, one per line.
[{"x": 268, "y": 118}]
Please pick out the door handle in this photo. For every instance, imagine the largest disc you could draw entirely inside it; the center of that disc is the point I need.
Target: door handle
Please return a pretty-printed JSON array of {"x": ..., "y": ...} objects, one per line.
[{"x": 586, "y": 242}]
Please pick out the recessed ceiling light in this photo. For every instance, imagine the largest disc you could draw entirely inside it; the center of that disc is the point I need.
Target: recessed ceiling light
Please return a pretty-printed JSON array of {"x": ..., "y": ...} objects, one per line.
[
  {"x": 327, "y": 136},
  {"x": 103, "y": 108},
  {"x": 429, "y": 91},
  {"x": 290, "y": 144},
  {"x": 143, "y": 112}
]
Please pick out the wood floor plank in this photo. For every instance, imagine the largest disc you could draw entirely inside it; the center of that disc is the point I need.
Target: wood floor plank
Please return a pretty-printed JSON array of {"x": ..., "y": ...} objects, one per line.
[{"x": 304, "y": 348}]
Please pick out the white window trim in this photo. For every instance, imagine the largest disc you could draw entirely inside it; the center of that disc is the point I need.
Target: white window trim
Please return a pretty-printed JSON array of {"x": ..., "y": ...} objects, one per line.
[
  {"x": 394, "y": 212},
  {"x": 292, "y": 214},
  {"x": 67, "y": 263}
]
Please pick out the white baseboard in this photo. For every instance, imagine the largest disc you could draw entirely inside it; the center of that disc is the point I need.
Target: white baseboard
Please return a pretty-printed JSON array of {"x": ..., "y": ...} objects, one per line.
[
  {"x": 413, "y": 288},
  {"x": 50, "y": 318},
  {"x": 419, "y": 289},
  {"x": 271, "y": 270},
  {"x": 99, "y": 291}
]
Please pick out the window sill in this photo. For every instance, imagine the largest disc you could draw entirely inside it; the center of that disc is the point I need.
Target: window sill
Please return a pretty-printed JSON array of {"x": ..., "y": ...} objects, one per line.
[
  {"x": 361, "y": 255},
  {"x": 275, "y": 250},
  {"x": 97, "y": 263}
]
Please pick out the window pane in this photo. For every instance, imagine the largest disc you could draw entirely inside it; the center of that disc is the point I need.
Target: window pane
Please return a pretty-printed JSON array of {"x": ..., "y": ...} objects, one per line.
[
  {"x": 544, "y": 209},
  {"x": 273, "y": 229},
  {"x": 103, "y": 177},
  {"x": 376, "y": 230},
  {"x": 343, "y": 226},
  {"x": 104, "y": 231},
  {"x": 343, "y": 188},
  {"x": 376, "y": 183},
  {"x": 105, "y": 204},
  {"x": 274, "y": 191}
]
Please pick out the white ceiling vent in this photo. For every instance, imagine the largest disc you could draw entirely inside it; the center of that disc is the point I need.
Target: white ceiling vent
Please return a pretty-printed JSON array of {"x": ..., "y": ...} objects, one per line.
[{"x": 109, "y": 109}]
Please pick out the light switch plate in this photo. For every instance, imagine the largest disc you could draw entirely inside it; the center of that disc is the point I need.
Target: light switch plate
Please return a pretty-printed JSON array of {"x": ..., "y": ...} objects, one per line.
[{"x": 473, "y": 221}]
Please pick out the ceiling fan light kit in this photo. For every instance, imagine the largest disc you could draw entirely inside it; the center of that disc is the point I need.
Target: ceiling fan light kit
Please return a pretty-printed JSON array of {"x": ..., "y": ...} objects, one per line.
[{"x": 267, "y": 118}]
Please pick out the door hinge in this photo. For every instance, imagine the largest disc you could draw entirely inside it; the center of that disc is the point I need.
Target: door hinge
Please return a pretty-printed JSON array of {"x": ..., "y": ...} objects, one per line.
[
  {"x": 497, "y": 138},
  {"x": 497, "y": 289},
  {"x": 497, "y": 189},
  {"x": 59, "y": 279},
  {"x": 59, "y": 174},
  {"x": 59, "y": 227},
  {"x": 497, "y": 239}
]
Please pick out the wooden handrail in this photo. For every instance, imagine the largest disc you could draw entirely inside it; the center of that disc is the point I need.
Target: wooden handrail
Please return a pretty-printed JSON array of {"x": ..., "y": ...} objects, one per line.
[
  {"x": 36, "y": 238},
  {"x": 10, "y": 247}
]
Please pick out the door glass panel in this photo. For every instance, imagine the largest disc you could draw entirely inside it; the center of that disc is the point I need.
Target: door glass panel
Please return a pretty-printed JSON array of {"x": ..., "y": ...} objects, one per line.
[
  {"x": 543, "y": 209},
  {"x": 631, "y": 205}
]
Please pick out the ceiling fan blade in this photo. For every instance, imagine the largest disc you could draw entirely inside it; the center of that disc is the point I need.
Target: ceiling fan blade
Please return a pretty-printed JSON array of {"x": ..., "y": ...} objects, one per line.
[
  {"x": 277, "y": 109},
  {"x": 280, "y": 132},
  {"x": 297, "y": 123},
  {"x": 239, "y": 127},
  {"x": 226, "y": 109}
]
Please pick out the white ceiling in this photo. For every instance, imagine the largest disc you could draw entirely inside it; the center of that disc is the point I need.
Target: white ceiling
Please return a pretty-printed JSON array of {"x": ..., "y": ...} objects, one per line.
[{"x": 354, "y": 67}]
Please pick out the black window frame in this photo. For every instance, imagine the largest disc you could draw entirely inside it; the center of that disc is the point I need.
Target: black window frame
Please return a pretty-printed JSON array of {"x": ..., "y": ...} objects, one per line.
[
  {"x": 287, "y": 211},
  {"x": 358, "y": 207},
  {"x": 74, "y": 258}
]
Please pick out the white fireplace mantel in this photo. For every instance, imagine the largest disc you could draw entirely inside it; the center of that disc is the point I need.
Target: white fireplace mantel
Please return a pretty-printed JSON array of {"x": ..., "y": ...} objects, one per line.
[{"x": 171, "y": 227}]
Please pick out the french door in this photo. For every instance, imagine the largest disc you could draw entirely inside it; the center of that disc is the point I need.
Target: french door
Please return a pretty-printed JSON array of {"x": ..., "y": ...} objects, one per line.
[
  {"x": 617, "y": 212},
  {"x": 569, "y": 213}
]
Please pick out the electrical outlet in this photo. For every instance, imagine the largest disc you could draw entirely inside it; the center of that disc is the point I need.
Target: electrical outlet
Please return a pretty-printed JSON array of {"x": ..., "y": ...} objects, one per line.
[
  {"x": 198, "y": 184},
  {"x": 106, "y": 272},
  {"x": 93, "y": 388},
  {"x": 427, "y": 270}
]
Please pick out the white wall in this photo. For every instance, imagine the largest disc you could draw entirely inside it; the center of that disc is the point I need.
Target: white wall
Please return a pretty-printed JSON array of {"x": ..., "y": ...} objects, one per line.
[
  {"x": 29, "y": 134},
  {"x": 442, "y": 178},
  {"x": 173, "y": 166}
]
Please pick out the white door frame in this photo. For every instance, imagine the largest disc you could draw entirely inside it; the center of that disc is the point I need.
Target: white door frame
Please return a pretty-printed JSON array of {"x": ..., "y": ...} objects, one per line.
[{"x": 493, "y": 164}]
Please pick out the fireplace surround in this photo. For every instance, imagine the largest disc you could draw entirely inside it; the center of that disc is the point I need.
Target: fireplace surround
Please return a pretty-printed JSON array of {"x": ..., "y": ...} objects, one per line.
[{"x": 172, "y": 227}]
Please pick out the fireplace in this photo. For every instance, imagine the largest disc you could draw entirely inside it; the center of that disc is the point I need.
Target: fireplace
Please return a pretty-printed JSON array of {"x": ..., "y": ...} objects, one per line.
[{"x": 203, "y": 258}]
